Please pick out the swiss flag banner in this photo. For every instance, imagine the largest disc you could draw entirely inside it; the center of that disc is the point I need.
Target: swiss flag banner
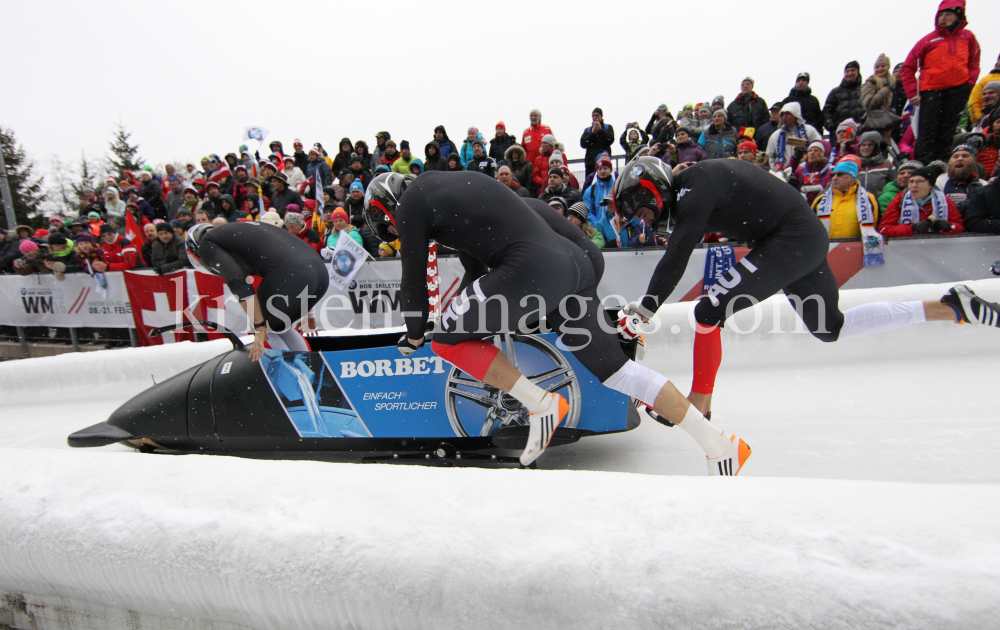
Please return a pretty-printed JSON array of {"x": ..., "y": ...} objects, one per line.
[
  {"x": 182, "y": 296},
  {"x": 158, "y": 301}
]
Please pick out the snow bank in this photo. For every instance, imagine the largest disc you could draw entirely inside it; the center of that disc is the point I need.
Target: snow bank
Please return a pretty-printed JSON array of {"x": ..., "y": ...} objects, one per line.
[
  {"x": 313, "y": 545},
  {"x": 869, "y": 502}
]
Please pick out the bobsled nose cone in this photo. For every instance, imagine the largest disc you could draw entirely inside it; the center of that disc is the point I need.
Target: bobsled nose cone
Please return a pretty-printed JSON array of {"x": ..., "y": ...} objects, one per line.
[{"x": 101, "y": 434}]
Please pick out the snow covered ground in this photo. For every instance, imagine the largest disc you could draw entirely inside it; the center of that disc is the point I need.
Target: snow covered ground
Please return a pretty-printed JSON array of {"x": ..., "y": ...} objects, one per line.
[{"x": 870, "y": 501}]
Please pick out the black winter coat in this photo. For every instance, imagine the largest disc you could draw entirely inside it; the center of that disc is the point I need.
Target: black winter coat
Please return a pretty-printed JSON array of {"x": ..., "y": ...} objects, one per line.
[
  {"x": 748, "y": 112},
  {"x": 286, "y": 197},
  {"x": 170, "y": 256},
  {"x": 9, "y": 252},
  {"x": 499, "y": 146},
  {"x": 153, "y": 194},
  {"x": 843, "y": 102},
  {"x": 485, "y": 165},
  {"x": 595, "y": 144},
  {"x": 809, "y": 104},
  {"x": 981, "y": 210},
  {"x": 356, "y": 211}
]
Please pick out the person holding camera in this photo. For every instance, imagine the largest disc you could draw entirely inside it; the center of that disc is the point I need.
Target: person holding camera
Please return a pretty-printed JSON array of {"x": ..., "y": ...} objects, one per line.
[{"x": 923, "y": 209}]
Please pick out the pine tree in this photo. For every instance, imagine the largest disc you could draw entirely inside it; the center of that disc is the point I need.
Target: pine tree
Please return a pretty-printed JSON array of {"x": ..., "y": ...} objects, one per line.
[
  {"x": 25, "y": 192},
  {"x": 86, "y": 177},
  {"x": 124, "y": 156}
]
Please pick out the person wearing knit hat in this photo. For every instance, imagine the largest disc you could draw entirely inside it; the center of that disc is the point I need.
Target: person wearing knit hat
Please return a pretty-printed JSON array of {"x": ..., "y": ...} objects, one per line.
[
  {"x": 813, "y": 174},
  {"x": 747, "y": 151},
  {"x": 984, "y": 108},
  {"x": 467, "y": 151},
  {"x": 838, "y": 207},
  {"x": 500, "y": 143},
  {"x": 719, "y": 102},
  {"x": 748, "y": 109},
  {"x": 720, "y": 139},
  {"x": 341, "y": 223},
  {"x": 895, "y": 187},
  {"x": 272, "y": 218},
  {"x": 962, "y": 177},
  {"x": 922, "y": 209}
]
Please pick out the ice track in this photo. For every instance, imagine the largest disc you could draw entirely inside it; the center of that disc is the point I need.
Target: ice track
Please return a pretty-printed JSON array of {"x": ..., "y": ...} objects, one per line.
[{"x": 871, "y": 501}]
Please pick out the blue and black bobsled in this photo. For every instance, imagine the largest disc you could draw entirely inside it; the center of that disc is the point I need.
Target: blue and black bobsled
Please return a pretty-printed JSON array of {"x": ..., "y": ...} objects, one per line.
[{"x": 355, "y": 394}]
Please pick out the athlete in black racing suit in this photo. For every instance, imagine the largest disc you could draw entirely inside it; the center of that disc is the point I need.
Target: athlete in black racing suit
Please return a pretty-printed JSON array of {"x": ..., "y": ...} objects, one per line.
[
  {"x": 534, "y": 271},
  {"x": 294, "y": 277},
  {"x": 789, "y": 245}
]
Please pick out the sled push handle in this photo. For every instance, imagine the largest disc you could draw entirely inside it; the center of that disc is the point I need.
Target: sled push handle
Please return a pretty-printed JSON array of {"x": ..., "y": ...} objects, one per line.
[{"x": 219, "y": 328}]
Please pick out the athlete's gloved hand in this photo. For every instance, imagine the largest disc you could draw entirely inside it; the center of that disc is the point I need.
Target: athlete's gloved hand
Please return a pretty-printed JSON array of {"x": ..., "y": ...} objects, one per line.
[
  {"x": 631, "y": 308},
  {"x": 940, "y": 225},
  {"x": 405, "y": 347},
  {"x": 922, "y": 227},
  {"x": 628, "y": 325}
]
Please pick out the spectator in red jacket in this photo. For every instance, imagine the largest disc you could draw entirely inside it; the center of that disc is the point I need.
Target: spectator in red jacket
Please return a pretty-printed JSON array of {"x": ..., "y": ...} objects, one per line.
[
  {"x": 948, "y": 61},
  {"x": 814, "y": 174},
  {"x": 922, "y": 209},
  {"x": 531, "y": 139},
  {"x": 540, "y": 163},
  {"x": 117, "y": 253}
]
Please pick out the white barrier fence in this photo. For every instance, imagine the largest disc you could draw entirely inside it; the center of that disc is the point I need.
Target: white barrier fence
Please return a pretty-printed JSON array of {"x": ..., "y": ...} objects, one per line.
[{"x": 373, "y": 299}]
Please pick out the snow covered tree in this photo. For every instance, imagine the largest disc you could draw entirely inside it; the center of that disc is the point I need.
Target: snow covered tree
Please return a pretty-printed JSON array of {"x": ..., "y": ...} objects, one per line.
[
  {"x": 124, "y": 156},
  {"x": 25, "y": 191}
]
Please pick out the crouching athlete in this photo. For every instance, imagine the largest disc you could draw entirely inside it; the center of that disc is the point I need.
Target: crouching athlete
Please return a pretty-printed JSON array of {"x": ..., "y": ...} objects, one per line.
[
  {"x": 789, "y": 244},
  {"x": 534, "y": 272},
  {"x": 294, "y": 277}
]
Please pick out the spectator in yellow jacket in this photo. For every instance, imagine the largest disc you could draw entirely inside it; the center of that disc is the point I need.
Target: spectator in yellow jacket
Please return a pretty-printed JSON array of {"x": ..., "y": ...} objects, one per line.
[{"x": 842, "y": 218}]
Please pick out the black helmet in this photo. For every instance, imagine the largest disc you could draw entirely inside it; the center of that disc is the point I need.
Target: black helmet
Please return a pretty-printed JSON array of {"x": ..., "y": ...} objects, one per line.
[
  {"x": 645, "y": 182},
  {"x": 192, "y": 241},
  {"x": 381, "y": 199}
]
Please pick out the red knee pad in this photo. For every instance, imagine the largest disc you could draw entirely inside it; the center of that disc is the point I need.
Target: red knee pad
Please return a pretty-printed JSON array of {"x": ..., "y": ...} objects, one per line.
[
  {"x": 472, "y": 357},
  {"x": 707, "y": 358}
]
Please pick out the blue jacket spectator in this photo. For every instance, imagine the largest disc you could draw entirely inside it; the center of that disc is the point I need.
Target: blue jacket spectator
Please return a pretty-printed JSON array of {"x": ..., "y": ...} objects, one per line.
[
  {"x": 601, "y": 188},
  {"x": 719, "y": 140},
  {"x": 445, "y": 144},
  {"x": 466, "y": 153}
]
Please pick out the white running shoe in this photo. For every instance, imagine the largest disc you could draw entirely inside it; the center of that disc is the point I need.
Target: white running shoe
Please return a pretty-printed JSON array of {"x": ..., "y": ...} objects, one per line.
[
  {"x": 731, "y": 463},
  {"x": 542, "y": 426},
  {"x": 972, "y": 308}
]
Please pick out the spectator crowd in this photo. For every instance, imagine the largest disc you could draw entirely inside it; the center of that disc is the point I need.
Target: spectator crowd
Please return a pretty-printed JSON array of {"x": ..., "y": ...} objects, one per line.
[{"x": 913, "y": 145}]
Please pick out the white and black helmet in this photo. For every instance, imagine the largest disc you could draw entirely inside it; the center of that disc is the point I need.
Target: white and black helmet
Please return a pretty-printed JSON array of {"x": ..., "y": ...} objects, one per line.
[{"x": 381, "y": 200}]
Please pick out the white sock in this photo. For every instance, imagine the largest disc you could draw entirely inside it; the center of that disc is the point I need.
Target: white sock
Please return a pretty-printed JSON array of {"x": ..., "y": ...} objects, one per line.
[
  {"x": 533, "y": 397},
  {"x": 878, "y": 317},
  {"x": 714, "y": 440}
]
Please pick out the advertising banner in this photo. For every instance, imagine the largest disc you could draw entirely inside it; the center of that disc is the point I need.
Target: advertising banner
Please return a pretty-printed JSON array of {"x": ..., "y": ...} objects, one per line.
[
  {"x": 363, "y": 393},
  {"x": 76, "y": 302}
]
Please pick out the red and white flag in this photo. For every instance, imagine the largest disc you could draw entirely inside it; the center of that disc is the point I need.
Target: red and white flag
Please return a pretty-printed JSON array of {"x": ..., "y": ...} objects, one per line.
[
  {"x": 222, "y": 171},
  {"x": 134, "y": 235}
]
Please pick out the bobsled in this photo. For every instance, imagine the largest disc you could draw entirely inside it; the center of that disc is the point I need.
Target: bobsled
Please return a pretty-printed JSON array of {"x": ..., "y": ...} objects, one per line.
[{"x": 356, "y": 393}]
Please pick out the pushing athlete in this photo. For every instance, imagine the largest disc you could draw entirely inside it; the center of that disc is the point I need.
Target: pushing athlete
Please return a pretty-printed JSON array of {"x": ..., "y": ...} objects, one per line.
[
  {"x": 533, "y": 272},
  {"x": 789, "y": 245},
  {"x": 293, "y": 277}
]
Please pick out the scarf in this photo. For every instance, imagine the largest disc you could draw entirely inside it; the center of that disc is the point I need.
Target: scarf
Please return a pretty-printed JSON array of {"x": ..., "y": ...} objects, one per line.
[
  {"x": 909, "y": 211},
  {"x": 812, "y": 181},
  {"x": 800, "y": 132},
  {"x": 871, "y": 240}
]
